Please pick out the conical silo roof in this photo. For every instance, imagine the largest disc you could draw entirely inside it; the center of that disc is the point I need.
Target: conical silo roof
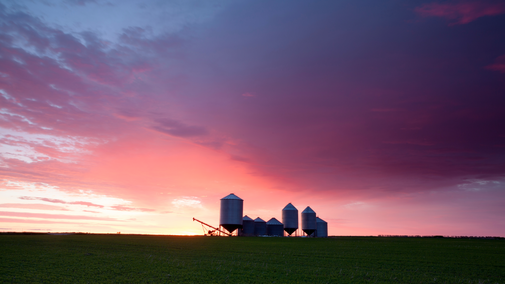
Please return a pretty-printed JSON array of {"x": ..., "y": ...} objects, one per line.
[
  {"x": 247, "y": 218},
  {"x": 273, "y": 221},
  {"x": 231, "y": 196},
  {"x": 320, "y": 220},
  {"x": 308, "y": 210},
  {"x": 259, "y": 220},
  {"x": 290, "y": 207}
]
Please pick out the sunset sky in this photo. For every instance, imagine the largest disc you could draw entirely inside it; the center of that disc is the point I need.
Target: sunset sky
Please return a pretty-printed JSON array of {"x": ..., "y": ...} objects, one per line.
[{"x": 385, "y": 117}]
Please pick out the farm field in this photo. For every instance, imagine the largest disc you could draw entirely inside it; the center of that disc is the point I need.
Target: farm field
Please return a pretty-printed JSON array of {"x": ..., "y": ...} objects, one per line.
[{"x": 165, "y": 259}]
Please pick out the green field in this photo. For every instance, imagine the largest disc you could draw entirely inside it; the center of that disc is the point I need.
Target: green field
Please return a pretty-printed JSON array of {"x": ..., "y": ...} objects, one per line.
[{"x": 155, "y": 259}]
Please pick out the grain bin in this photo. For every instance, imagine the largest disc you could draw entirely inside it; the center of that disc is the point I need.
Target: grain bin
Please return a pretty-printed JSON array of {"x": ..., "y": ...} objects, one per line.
[
  {"x": 290, "y": 218},
  {"x": 322, "y": 228},
  {"x": 247, "y": 226},
  {"x": 275, "y": 228},
  {"x": 260, "y": 227},
  {"x": 232, "y": 209},
  {"x": 309, "y": 221}
]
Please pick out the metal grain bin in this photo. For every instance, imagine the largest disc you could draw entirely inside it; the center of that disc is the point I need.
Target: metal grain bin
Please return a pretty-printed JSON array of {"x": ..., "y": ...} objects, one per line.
[
  {"x": 309, "y": 221},
  {"x": 232, "y": 210},
  {"x": 260, "y": 227},
  {"x": 275, "y": 228},
  {"x": 290, "y": 218},
  {"x": 322, "y": 228},
  {"x": 247, "y": 226}
]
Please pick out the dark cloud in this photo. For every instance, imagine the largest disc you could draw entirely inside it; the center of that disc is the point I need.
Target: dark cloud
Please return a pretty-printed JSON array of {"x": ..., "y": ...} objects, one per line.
[{"x": 315, "y": 85}]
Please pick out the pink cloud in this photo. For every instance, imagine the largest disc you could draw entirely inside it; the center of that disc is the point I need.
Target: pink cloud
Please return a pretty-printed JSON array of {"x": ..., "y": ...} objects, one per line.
[
  {"x": 463, "y": 12},
  {"x": 126, "y": 208},
  {"x": 499, "y": 64},
  {"x": 61, "y": 201},
  {"x": 85, "y": 204}
]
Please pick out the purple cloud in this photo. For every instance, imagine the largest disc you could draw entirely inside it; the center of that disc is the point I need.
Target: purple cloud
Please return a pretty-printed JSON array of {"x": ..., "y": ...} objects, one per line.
[{"x": 177, "y": 128}]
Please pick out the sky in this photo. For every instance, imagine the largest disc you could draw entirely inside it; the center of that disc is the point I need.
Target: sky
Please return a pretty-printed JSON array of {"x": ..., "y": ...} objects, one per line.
[{"x": 385, "y": 117}]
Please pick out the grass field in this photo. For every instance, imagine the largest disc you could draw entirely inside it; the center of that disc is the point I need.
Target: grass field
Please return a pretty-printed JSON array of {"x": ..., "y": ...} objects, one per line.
[{"x": 158, "y": 259}]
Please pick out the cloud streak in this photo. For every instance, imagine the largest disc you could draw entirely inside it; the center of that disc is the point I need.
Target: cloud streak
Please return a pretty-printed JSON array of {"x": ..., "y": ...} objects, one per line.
[
  {"x": 51, "y": 200},
  {"x": 34, "y": 221},
  {"x": 126, "y": 208},
  {"x": 33, "y": 206},
  {"x": 54, "y": 216},
  {"x": 462, "y": 12}
]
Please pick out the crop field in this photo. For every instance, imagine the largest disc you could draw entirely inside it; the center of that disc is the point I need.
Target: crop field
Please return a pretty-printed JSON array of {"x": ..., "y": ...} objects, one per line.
[{"x": 165, "y": 259}]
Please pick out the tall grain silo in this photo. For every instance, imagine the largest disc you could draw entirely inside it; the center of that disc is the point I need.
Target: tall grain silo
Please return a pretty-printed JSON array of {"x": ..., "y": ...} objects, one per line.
[
  {"x": 247, "y": 226},
  {"x": 260, "y": 227},
  {"x": 232, "y": 210},
  {"x": 309, "y": 221},
  {"x": 322, "y": 228},
  {"x": 290, "y": 218},
  {"x": 275, "y": 228}
]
